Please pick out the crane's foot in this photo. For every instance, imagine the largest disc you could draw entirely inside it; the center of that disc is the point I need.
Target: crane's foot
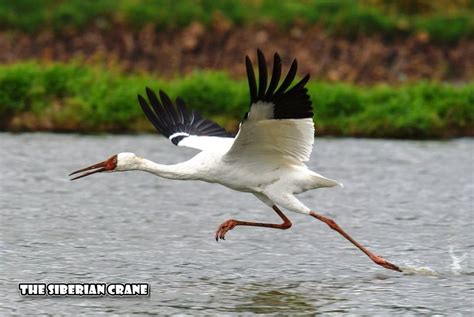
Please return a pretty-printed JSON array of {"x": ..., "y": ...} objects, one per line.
[
  {"x": 382, "y": 262},
  {"x": 224, "y": 228}
]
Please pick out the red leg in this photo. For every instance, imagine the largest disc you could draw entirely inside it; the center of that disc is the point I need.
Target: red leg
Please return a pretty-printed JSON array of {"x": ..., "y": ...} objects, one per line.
[
  {"x": 232, "y": 223},
  {"x": 377, "y": 259}
]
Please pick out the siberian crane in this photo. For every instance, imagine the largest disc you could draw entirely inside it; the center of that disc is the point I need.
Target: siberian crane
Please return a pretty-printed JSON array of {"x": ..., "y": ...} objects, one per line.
[{"x": 266, "y": 157}]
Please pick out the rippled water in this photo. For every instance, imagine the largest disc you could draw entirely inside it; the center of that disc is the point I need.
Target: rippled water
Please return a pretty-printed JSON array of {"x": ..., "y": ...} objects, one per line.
[{"x": 411, "y": 202}]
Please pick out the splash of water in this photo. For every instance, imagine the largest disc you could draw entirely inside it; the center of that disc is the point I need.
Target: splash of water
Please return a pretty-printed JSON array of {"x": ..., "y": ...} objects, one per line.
[
  {"x": 418, "y": 270},
  {"x": 456, "y": 266}
]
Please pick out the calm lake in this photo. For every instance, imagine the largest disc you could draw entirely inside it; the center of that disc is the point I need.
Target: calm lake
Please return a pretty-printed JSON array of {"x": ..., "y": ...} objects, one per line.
[{"x": 409, "y": 201}]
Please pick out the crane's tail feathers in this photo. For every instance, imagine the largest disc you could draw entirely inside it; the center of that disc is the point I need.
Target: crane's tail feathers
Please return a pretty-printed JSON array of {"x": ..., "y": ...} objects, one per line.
[{"x": 321, "y": 181}]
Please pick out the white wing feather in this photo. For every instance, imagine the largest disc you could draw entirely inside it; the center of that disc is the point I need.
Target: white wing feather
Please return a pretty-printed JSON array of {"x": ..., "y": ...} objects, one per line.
[
  {"x": 207, "y": 143},
  {"x": 289, "y": 138}
]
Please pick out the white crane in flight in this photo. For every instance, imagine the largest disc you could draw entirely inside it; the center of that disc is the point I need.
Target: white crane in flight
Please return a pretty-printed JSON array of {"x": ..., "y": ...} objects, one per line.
[{"x": 265, "y": 158}]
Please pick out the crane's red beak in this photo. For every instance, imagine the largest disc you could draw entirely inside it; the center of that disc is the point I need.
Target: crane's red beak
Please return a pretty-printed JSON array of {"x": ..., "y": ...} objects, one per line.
[{"x": 108, "y": 165}]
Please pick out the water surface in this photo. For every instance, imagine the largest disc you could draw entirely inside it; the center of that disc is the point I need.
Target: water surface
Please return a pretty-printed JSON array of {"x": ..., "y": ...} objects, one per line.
[{"x": 409, "y": 201}]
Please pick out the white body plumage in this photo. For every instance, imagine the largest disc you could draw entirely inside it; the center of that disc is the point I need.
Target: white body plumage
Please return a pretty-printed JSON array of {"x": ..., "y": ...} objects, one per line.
[{"x": 234, "y": 163}]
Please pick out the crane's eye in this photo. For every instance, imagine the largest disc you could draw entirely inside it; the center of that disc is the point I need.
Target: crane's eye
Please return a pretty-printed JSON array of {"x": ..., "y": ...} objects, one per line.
[{"x": 111, "y": 163}]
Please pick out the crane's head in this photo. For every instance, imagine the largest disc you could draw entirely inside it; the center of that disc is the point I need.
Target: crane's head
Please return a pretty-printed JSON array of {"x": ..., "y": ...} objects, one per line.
[{"x": 115, "y": 163}]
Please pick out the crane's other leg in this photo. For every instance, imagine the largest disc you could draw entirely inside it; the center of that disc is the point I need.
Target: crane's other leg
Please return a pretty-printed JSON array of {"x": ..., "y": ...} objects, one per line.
[
  {"x": 377, "y": 259},
  {"x": 232, "y": 223},
  {"x": 290, "y": 202}
]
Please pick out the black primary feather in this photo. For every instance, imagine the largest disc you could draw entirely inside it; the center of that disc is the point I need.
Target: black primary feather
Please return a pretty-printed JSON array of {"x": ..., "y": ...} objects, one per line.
[
  {"x": 292, "y": 103},
  {"x": 262, "y": 75},
  {"x": 251, "y": 79},
  {"x": 276, "y": 73},
  {"x": 169, "y": 118}
]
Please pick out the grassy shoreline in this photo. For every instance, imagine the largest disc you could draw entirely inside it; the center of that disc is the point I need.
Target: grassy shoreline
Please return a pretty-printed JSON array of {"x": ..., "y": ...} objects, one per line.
[
  {"x": 443, "y": 21},
  {"x": 88, "y": 99}
]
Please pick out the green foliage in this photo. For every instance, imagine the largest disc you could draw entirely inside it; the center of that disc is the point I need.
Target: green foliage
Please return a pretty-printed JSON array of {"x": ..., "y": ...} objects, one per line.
[
  {"x": 349, "y": 18},
  {"x": 32, "y": 15},
  {"x": 25, "y": 15},
  {"x": 77, "y": 14},
  {"x": 411, "y": 111},
  {"x": 17, "y": 88},
  {"x": 447, "y": 29},
  {"x": 89, "y": 99},
  {"x": 213, "y": 93},
  {"x": 339, "y": 17},
  {"x": 337, "y": 100}
]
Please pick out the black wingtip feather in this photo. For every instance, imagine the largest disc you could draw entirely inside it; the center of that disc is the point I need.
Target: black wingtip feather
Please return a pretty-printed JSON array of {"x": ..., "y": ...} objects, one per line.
[
  {"x": 292, "y": 103},
  {"x": 169, "y": 118},
  {"x": 148, "y": 112},
  {"x": 262, "y": 75},
  {"x": 276, "y": 73},
  {"x": 251, "y": 79},
  {"x": 289, "y": 78}
]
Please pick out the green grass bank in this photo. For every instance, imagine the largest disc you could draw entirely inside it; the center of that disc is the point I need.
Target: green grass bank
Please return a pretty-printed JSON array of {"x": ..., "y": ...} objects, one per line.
[
  {"x": 444, "y": 21},
  {"x": 72, "y": 98}
]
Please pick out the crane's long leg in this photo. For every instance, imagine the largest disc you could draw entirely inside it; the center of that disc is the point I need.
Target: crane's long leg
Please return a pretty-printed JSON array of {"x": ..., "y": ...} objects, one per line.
[
  {"x": 377, "y": 259},
  {"x": 232, "y": 223}
]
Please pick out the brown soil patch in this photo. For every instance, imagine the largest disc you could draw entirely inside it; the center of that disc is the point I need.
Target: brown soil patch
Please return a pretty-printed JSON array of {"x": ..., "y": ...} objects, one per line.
[{"x": 167, "y": 53}]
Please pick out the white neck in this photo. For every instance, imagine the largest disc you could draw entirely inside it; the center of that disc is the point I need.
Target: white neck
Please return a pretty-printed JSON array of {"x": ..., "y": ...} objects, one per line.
[{"x": 175, "y": 171}]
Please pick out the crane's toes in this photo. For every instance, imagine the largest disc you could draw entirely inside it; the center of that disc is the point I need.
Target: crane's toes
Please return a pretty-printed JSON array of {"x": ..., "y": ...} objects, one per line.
[
  {"x": 224, "y": 228},
  {"x": 382, "y": 262}
]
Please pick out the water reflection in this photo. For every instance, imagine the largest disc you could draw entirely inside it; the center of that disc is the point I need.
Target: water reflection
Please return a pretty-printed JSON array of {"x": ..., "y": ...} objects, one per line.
[{"x": 270, "y": 300}]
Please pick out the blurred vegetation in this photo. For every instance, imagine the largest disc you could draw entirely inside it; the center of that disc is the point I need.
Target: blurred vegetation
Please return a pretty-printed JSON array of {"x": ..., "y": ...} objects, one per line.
[
  {"x": 443, "y": 21},
  {"x": 59, "y": 97}
]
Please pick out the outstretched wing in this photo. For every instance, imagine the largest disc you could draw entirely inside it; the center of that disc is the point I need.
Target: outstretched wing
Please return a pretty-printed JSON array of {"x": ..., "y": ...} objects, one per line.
[
  {"x": 279, "y": 124},
  {"x": 183, "y": 127}
]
